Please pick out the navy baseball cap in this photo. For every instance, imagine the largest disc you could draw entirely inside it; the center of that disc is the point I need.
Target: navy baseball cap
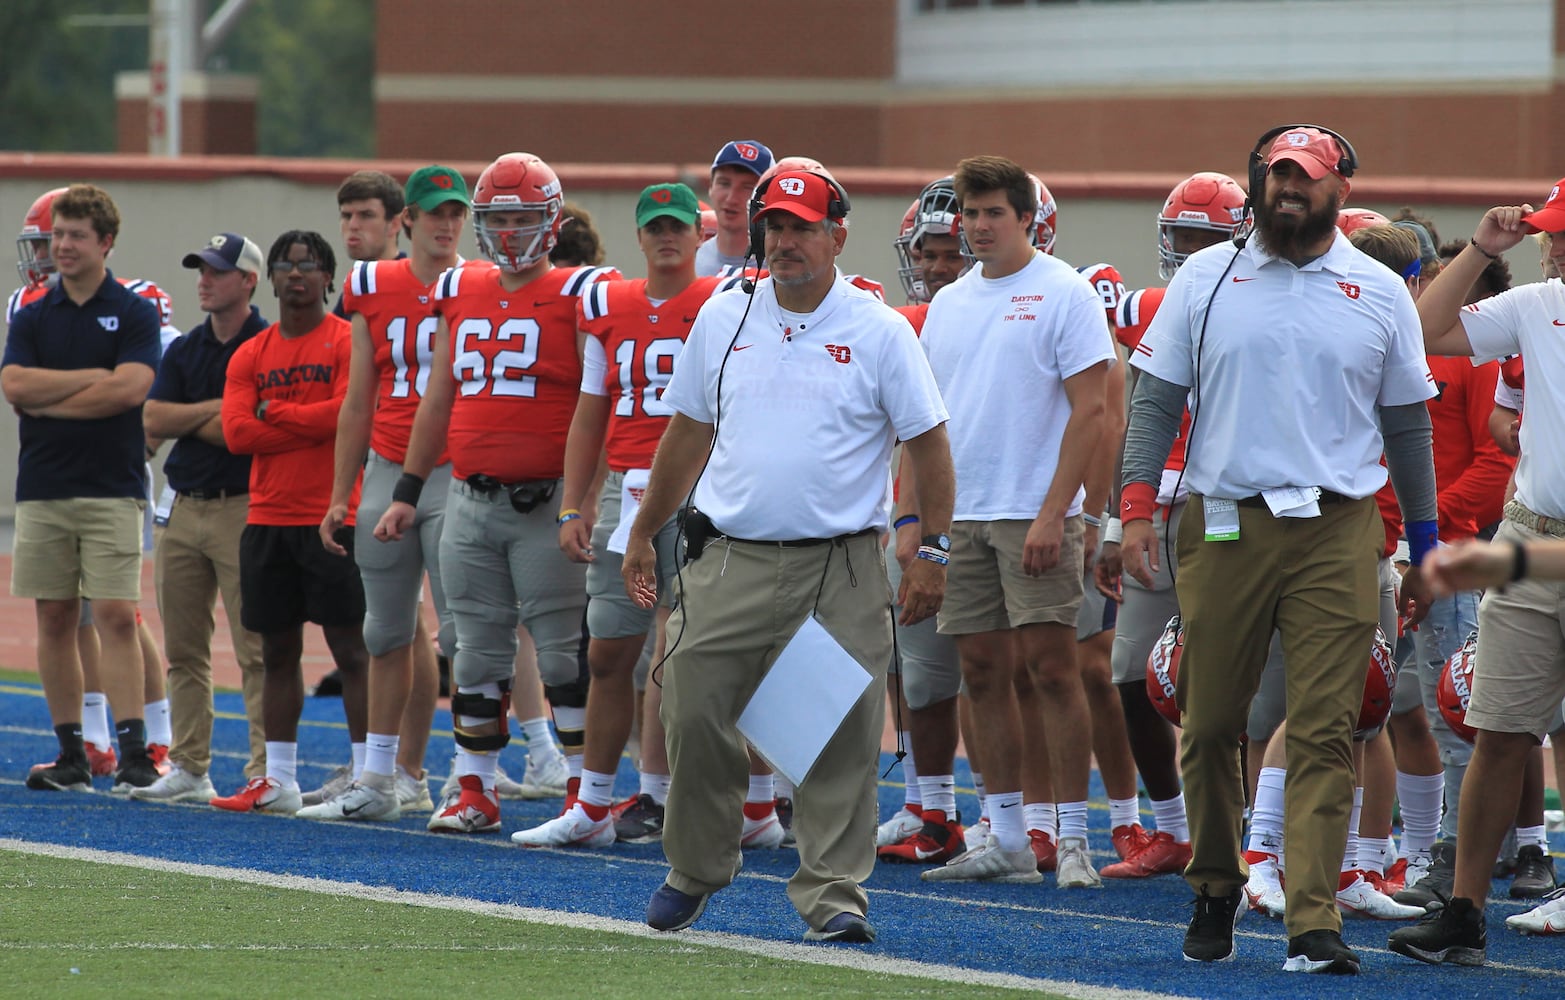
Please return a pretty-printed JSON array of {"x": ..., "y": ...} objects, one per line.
[
  {"x": 228, "y": 252},
  {"x": 746, "y": 153}
]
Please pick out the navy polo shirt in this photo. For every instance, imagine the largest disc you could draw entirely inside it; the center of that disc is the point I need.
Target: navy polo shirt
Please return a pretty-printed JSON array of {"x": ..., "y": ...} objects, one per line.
[
  {"x": 105, "y": 457},
  {"x": 194, "y": 370}
]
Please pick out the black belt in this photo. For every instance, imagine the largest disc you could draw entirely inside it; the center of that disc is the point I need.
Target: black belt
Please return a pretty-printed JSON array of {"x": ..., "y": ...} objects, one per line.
[
  {"x": 524, "y": 496},
  {"x": 1326, "y": 496},
  {"x": 799, "y": 543},
  {"x": 213, "y": 494}
]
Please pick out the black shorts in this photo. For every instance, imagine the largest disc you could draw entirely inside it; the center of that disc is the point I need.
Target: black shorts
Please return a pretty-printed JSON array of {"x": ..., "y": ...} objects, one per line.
[{"x": 286, "y": 578}]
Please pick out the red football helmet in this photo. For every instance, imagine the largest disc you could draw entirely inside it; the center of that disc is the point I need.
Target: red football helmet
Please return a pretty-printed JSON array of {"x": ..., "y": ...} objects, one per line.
[
  {"x": 1456, "y": 688},
  {"x": 1045, "y": 221},
  {"x": 1163, "y": 669},
  {"x": 517, "y": 182},
  {"x": 1207, "y": 200},
  {"x": 1349, "y": 219},
  {"x": 1380, "y": 683},
  {"x": 34, "y": 262}
]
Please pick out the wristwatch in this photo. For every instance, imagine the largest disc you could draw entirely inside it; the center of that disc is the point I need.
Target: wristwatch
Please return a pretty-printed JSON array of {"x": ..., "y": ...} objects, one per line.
[{"x": 941, "y": 542}]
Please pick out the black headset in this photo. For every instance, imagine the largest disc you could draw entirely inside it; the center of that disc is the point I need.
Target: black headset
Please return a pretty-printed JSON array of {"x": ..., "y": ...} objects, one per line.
[
  {"x": 1347, "y": 163},
  {"x": 836, "y": 208}
]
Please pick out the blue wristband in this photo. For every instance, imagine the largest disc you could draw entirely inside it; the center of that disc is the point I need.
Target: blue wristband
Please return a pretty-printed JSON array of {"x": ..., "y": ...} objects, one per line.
[
  {"x": 1422, "y": 537},
  {"x": 905, "y": 519}
]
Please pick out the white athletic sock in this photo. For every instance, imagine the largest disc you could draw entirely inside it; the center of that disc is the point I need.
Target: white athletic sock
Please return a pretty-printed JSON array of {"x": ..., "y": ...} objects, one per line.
[
  {"x": 159, "y": 728},
  {"x": 912, "y": 790},
  {"x": 1042, "y": 816},
  {"x": 1006, "y": 822},
  {"x": 540, "y": 739},
  {"x": 1532, "y": 836},
  {"x": 380, "y": 753},
  {"x": 282, "y": 763},
  {"x": 573, "y": 764},
  {"x": 479, "y": 764},
  {"x": 1376, "y": 854},
  {"x": 597, "y": 788},
  {"x": 655, "y": 785},
  {"x": 359, "y": 753},
  {"x": 939, "y": 793},
  {"x": 1266, "y": 829},
  {"x": 1171, "y": 818},
  {"x": 95, "y": 719},
  {"x": 762, "y": 789},
  {"x": 1122, "y": 812},
  {"x": 1073, "y": 819},
  {"x": 983, "y": 795},
  {"x": 1350, "y": 856},
  {"x": 1420, "y": 796}
]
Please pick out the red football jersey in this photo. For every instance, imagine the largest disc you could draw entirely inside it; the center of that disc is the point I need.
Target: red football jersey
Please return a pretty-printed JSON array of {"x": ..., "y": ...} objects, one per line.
[
  {"x": 303, "y": 381},
  {"x": 640, "y": 341},
  {"x": 1110, "y": 287},
  {"x": 1131, "y": 320},
  {"x": 400, "y": 312},
  {"x": 146, "y": 289},
  {"x": 516, "y": 367},
  {"x": 915, "y": 315}
]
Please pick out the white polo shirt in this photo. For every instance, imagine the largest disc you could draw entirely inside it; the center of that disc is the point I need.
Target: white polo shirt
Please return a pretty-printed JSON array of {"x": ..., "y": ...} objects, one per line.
[
  {"x": 1530, "y": 321},
  {"x": 1001, "y": 350},
  {"x": 811, "y": 406},
  {"x": 1293, "y": 363}
]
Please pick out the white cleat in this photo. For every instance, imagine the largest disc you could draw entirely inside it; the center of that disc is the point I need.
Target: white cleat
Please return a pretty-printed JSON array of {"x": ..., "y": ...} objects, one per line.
[
  {"x": 1074, "y": 868},
  {"x": 764, "y": 833},
  {"x": 976, "y": 835},
  {"x": 1363, "y": 900},
  {"x": 177, "y": 786},
  {"x": 903, "y": 824},
  {"x": 1546, "y": 918},
  {"x": 372, "y": 797},
  {"x": 413, "y": 793},
  {"x": 335, "y": 784},
  {"x": 545, "y": 777},
  {"x": 1264, "y": 890},
  {"x": 574, "y": 829},
  {"x": 989, "y": 864}
]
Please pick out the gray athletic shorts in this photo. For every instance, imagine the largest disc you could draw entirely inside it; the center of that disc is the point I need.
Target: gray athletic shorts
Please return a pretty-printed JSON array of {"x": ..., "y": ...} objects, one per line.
[
  {"x": 1145, "y": 613},
  {"x": 610, "y": 612},
  {"x": 1097, "y": 614},
  {"x": 501, "y": 567},
  {"x": 931, "y": 672},
  {"x": 393, "y": 572}
]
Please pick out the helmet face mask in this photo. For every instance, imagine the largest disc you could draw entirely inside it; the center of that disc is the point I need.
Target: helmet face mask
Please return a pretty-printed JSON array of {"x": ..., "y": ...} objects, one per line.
[
  {"x": 34, "y": 260},
  {"x": 1207, "y": 202},
  {"x": 513, "y": 184},
  {"x": 933, "y": 214}
]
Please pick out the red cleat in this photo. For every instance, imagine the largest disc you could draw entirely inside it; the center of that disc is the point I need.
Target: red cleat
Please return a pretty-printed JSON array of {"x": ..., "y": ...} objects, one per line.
[
  {"x": 1162, "y": 855},
  {"x": 1044, "y": 849}
]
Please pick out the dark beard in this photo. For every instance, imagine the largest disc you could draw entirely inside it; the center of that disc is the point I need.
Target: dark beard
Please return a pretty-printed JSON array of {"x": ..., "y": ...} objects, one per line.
[{"x": 1290, "y": 237}]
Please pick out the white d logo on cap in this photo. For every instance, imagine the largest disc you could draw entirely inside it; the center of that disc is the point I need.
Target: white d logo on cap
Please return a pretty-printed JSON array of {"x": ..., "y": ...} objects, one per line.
[
  {"x": 218, "y": 241},
  {"x": 1298, "y": 139},
  {"x": 793, "y": 186}
]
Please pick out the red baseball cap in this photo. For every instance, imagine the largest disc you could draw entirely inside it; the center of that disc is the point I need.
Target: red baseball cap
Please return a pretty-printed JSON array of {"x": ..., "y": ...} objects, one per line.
[
  {"x": 801, "y": 192},
  {"x": 1312, "y": 149},
  {"x": 1551, "y": 217}
]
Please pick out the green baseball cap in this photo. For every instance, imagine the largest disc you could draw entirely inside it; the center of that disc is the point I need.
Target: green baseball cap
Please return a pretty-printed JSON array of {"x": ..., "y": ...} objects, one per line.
[
  {"x": 676, "y": 201},
  {"x": 435, "y": 185}
]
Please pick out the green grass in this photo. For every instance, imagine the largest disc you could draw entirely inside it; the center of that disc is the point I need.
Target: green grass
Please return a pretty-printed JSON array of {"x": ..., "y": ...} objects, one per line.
[{"x": 79, "y": 929}]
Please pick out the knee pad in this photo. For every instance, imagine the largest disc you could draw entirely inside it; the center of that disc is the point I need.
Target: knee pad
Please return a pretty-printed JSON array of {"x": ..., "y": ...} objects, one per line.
[
  {"x": 476, "y": 706},
  {"x": 573, "y": 694},
  {"x": 382, "y": 636}
]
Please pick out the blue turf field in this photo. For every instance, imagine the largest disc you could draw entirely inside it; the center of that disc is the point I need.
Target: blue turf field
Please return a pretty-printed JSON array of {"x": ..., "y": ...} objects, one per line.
[{"x": 1126, "y": 935}]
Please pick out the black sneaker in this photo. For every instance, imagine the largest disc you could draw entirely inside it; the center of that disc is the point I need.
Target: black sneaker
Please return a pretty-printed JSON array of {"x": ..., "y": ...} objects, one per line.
[
  {"x": 1437, "y": 883},
  {"x": 1534, "y": 874},
  {"x": 135, "y": 772},
  {"x": 785, "y": 817},
  {"x": 641, "y": 822},
  {"x": 1211, "y": 934},
  {"x": 1453, "y": 932},
  {"x": 1321, "y": 951},
  {"x": 329, "y": 686},
  {"x": 61, "y": 776}
]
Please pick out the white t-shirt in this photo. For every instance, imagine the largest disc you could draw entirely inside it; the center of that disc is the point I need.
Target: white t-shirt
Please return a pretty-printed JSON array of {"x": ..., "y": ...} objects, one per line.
[
  {"x": 1293, "y": 363},
  {"x": 1530, "y": 321},
  {"x": 809, "y": 411},
  {"x": 1001, "y": 350},
  {"x": 709, "y": 261}
]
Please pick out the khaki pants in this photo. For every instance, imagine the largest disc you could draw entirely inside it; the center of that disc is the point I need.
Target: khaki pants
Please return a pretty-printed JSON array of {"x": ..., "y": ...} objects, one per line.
[
  {"x": 1317, "y": 581},
  {"x": 742, "y": 603},
  {"x": 198, "y": 556}
]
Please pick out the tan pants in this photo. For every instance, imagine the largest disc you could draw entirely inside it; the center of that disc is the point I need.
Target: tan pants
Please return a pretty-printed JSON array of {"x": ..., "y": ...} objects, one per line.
[
  {"x": 742, "y": 603},
  {"x": 198, "y": 556},
  {"x": 1317, "y": 581}
]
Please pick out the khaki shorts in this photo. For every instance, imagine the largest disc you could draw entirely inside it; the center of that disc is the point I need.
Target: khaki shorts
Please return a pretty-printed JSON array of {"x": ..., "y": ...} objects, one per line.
[
  {"x": 986, "y": 590},
  {"x": 79, "y": 547},
  {"x": 1519, "y": 676}
]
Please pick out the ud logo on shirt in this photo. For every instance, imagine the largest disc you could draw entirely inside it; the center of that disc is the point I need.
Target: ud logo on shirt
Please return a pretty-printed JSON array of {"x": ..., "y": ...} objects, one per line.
[
  {"x": 109, "y": 323},
  {"x": 1349, "y": 289},
  {"x": 840, "y": 353}
]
